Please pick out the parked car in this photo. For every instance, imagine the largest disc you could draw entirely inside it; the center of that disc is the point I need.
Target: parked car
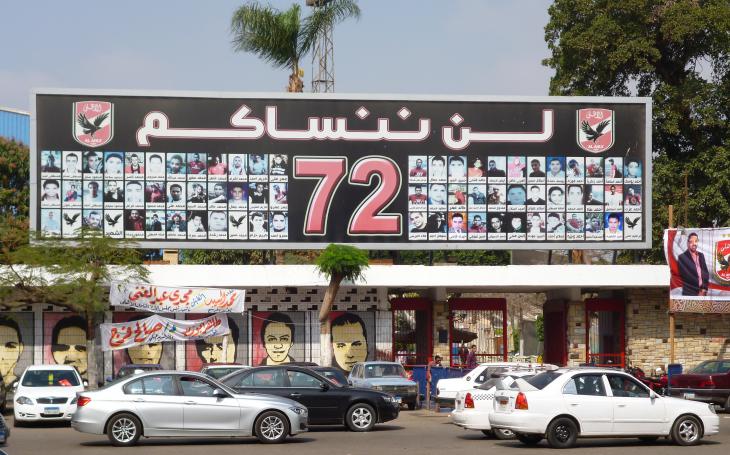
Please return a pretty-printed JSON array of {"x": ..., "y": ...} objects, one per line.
[
  {"x": 388, "y": 377},
  {"x": 174, "y": 403},
  {"x": 46, "y": 393},
  {"x": 331, "y": 373},
  {"x": 134, "y": 368},
  {"x": 218, "y": 370},
  {"x": 564, "y": 405},
  {"x": 446, "y": 389},
  {"x": 3, "y": 394},
  {"x": 4, "y": 430},
  {"x": 473, "y": 406},
  {"x": 328, "y": 403},
  {"x": 708, "y": 382}
]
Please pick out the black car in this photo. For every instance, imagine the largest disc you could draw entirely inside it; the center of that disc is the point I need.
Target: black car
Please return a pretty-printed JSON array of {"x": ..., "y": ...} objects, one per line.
[
  {"x": 331, "y": 373},
  {"x": 328, "y": 403}
]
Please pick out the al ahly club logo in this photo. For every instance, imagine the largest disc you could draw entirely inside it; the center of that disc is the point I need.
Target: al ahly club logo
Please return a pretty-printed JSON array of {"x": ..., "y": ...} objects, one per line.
[
  {"x": 722, "y": 260},
  {"x": 595, "y": 128},
  {"x": 93, "y": 123}
]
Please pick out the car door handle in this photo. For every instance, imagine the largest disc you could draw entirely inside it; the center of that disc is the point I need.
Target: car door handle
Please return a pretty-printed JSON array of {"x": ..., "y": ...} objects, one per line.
[
  {"x": 139, "y": 400},
  {"x": 621, "y": 405},
  {"x": 295, "y": 395},
  {"x": 574, "y": 404},
  {"x": 190, "y": 402}
]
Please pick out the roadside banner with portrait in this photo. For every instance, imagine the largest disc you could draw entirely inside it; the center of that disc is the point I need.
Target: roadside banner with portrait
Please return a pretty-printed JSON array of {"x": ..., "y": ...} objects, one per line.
[
  {"x": 155, "y": 329},
  {"x": 161, "y": 299},
  {"x": 699, "y": 263}
]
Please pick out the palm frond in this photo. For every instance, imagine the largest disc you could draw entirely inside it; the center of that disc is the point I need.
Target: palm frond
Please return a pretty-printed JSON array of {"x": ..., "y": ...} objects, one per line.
[
  {"x": 267, "y": 32},
  {"x": 331, "y": 14}
]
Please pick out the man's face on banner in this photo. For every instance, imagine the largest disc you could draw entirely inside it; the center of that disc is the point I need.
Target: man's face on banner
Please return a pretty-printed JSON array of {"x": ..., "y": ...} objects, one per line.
[
  {"x": 70, "y": 348},
  {"x": 145, "y": 354},
  {"x": 692, "y": 243},
  {"x": 10, "y": 350},
  {"x": 277, "y": 342},
  {"x": 212, "y": 351},
  {"x": 349, "y": 345}
]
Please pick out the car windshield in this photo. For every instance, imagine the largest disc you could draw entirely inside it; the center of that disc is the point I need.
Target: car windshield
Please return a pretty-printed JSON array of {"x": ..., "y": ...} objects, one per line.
[
  {"x": 711, "y": 366},
  {"x": 385, "y": 370},
  {"x": 218, "y": 373},
  {"x": 541, "y": 380},
  {"x": 50, "y": 378}
]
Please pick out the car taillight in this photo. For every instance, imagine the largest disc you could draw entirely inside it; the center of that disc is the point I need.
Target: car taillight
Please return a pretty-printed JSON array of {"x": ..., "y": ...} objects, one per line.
[
  {"x": 521, "y": 401},
  {"x": 468, "y": 401},
  {"x": 707, "y": 384},
  {"x": 83, "y": 401}
]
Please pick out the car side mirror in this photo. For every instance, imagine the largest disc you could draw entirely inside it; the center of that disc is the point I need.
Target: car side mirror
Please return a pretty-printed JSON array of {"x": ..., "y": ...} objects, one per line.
[
  {"x": 14, "y": 385},
  {"x": 349, "y": 381},
  {"x": 219, "y": 393},
  {"x": 653, "y": 395},
  {"x": 85, "y": 383},
  {"x": 324, "y": 386}
]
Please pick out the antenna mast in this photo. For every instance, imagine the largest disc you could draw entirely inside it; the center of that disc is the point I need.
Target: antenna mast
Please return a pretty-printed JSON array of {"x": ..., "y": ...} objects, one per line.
[{"x": 323, "y": 58}]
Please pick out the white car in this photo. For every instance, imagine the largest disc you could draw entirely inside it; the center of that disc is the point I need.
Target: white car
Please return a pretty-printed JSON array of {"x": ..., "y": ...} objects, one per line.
[
  {"x": 446, "y": 389},
  {"x": 564, "y": 405},
  {"x": 46, "y": 393},
  {"x": 473, "y": 407}
]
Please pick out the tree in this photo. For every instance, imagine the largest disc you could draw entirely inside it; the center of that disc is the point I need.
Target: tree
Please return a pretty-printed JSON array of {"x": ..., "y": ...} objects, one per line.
[
  {"x": 75, "y": 277},
  {"x": 337, "y": 263},
  {"x": 14, "y": 195},
  {"x": 678, "y": 53},
  {"x": 283, "y": 38}
]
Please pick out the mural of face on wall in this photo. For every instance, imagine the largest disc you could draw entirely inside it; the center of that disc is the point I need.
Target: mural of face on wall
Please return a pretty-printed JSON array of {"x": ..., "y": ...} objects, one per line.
[
  {"x": 146, "y": 353},
  {"x": 277, "y": 335},
  {"x": 11, "y": 348},
  {"x": 349, "y": 341},
  {"x": 154, "y": 353},
  {"x": 68, "y": 343},
  {"x": 210, "y": 350}
]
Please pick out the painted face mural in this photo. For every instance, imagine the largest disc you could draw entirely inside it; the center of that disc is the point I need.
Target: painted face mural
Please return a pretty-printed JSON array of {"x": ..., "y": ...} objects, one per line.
[
  {"x": 11, "y": 348},
  {"x": 67, "y": 341},
  {"x": 210, "y": 350},
  {"x": 278, "y": 337},
  {"x": 349, "y": 340},
  {"x": 145, "y": 354}
]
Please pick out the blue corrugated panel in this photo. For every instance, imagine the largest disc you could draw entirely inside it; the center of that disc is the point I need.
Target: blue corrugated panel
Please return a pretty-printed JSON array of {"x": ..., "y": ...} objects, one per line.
[{"x": 15, "y": 125}]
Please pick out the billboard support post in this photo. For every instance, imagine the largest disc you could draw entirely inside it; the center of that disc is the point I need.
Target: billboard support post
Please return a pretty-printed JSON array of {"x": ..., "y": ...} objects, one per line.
[{"x": 671, "y": 314}]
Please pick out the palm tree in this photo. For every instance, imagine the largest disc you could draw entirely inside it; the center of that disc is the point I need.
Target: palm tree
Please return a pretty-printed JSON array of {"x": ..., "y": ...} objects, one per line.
[
  {"x": 282, "y": 38},
  {"x": 338, "y": 263}
]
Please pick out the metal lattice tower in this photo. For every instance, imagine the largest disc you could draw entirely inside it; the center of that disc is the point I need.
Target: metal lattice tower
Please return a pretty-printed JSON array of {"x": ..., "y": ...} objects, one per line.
[{"x": 323, "y": 57}]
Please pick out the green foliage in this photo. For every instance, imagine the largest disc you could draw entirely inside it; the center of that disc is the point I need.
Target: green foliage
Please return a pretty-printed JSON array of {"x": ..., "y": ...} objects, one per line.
[
  {"x": 233, "y": 257},
  {"x": 282, "y": 38},
  {"x": 676, "y": 52},
  {"x": 14, "y": 179},
  {"x": 540, "y": 327},
  {"x": 460, "y": 257},
  {"x": 342, "y": 262}
]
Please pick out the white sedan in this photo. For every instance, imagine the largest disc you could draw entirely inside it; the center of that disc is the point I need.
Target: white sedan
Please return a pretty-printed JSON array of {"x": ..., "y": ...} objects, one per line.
[
  {"x": 46, "y": 393},
  {"x": 564, "y": 405},
  {"x": 473, "y": 407}
]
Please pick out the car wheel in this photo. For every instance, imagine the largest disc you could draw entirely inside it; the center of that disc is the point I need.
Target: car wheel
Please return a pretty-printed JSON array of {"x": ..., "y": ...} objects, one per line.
[
  {"x": 17, "y": 423},
  {"x": 360, "y": 417},
  {"x": 271, "y": 427},
  {"x": 687, "y": 431},
  {"x": 124, "y": 430},
  {"x": 727, "y": 404},
  {"x": 648, "y": 438},
  {"x": 488, "y": 433},
  {"x": 562, "y": 433},
  {"x": 529, "y": 439},
  {"x": 503, "y": 434},
  {"x": 411, "y": 406}
]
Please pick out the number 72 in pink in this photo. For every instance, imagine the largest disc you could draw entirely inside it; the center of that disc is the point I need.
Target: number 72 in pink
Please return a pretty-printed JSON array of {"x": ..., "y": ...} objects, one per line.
[{"x": 367, "y": 219}]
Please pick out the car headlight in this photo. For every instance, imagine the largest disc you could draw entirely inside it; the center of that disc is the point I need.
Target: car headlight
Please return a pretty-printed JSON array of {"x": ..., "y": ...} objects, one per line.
[
  {"x": 298, "y": 410},
  {"x": 712, "y": 408},
  {"x": 23, "y": 400}
]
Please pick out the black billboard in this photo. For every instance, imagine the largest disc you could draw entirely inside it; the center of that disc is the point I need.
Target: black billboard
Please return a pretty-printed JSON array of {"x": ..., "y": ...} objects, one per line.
[{"x": 201, "y": 170}]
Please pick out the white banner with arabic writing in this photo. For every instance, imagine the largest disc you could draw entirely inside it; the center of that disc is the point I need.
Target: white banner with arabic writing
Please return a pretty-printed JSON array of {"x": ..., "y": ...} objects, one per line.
[
  {"x": 161, "y": 299},
  {"x": 155, "y": 329}
]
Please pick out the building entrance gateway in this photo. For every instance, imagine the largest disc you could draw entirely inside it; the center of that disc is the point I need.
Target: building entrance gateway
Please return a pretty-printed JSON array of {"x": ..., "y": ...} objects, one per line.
[
  {"x": 481, "y": 322},
  {"x": 605, "y": 328},
  {"x": 412, "y": 330}
]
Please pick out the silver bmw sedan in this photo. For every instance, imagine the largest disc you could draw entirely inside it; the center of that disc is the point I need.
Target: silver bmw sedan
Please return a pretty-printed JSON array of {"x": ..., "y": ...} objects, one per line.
[{"x": 175, "y": 403}]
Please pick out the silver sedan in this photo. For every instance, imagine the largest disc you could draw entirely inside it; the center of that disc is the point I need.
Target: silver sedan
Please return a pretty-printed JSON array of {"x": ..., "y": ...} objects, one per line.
[{"x": 174, "y": 403}]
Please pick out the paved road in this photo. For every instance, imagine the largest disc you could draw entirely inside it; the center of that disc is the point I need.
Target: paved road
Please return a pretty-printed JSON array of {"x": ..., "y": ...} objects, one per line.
[{"x": 417, "y": 432}]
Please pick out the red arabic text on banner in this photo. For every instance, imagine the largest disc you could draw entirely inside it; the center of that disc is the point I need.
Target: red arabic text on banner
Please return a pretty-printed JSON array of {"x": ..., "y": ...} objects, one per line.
[{"x": 161, "y": 299}]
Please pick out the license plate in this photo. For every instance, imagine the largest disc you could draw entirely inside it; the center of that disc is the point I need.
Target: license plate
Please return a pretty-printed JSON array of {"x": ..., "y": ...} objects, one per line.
[
  {"x": 689, "y": 395},
  {"x": 397, "y": 399},
  {"x": 52, "y": 410}
]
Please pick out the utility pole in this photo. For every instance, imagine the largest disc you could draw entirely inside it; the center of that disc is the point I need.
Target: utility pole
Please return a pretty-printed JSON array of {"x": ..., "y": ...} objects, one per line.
[{"x": 323, "y": 58}]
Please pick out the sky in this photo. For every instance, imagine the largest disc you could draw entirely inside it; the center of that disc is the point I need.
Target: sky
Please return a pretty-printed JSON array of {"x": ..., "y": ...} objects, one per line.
[{"x": 460, "y": 47}]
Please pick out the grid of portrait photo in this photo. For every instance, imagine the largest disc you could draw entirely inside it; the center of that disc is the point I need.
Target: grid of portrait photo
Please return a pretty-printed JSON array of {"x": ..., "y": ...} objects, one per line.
[
  {"x": 483, "y": 197},
  {"x": 173, "y": 195}
]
